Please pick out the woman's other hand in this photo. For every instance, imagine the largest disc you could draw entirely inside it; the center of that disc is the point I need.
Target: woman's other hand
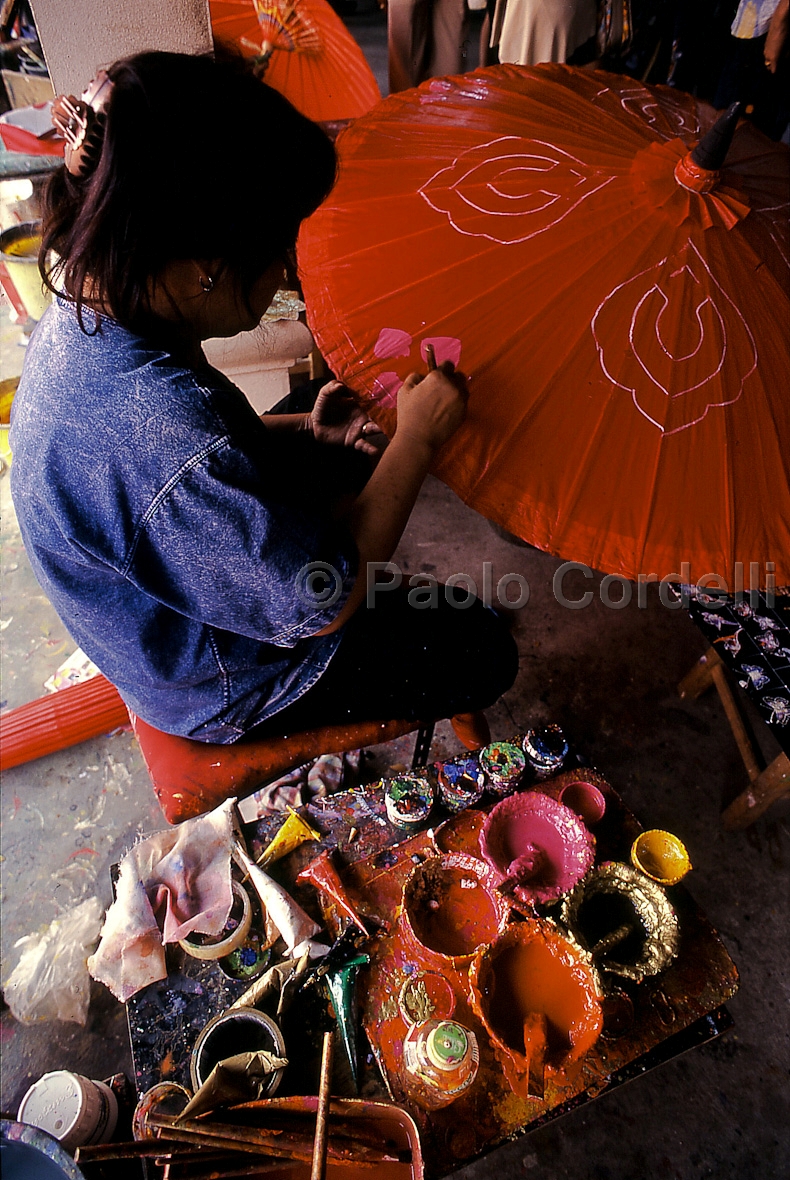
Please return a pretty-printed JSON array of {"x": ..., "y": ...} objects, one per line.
[
  {"x": 432, "y": 407},
  {"x": 338, "y": 420}
]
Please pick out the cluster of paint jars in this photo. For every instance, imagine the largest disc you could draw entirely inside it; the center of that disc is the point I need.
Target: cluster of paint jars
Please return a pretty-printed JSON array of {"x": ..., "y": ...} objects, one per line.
[{"x": 498, "y": 769}]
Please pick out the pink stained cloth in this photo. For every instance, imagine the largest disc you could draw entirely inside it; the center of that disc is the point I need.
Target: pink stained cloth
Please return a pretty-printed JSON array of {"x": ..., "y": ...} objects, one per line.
[{"x": 170, "y": 884}]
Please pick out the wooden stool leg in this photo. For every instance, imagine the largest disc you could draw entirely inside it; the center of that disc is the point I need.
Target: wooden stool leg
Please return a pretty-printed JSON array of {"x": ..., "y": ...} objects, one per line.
[
  {"x": 771, "y": 784},
  {"x": 766, "y": 785},
  {"x": 422, "y": 745},
  {"x": 739, "y": 732},
  {"x": 700, "y": 678}
]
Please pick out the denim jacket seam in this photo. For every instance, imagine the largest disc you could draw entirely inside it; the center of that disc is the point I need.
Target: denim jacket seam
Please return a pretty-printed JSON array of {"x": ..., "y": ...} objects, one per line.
[
  {"x": 224, "y": 674},
  {"x": 165, "y": 491}
]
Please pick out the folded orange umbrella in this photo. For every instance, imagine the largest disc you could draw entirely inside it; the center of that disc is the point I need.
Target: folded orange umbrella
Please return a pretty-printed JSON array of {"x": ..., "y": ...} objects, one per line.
[
  {"x": 314, "y": 61},
  {"x": 60, "y": 720},
  {"x": 621, "y": 311}
]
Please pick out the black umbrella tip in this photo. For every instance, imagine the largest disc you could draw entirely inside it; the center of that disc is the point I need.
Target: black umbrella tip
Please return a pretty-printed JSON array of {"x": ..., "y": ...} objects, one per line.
[{"x": 711, "y": 151}]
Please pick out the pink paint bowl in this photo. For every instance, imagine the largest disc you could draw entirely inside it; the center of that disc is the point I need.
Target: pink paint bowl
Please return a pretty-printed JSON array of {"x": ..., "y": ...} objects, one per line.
[
  {"x": 537, "y": 996},
  {"x": 539, "y": 844},
  {"x": 584, "y": 799},
  {"x": 451, "y": 906}
]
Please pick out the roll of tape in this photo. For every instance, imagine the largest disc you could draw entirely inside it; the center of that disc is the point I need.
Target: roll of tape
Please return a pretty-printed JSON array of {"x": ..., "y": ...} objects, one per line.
[{"x": 224, "y": 946}]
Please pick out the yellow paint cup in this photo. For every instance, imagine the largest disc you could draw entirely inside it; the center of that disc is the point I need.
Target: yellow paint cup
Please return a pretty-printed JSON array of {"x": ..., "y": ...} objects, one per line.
[{"x": 660, "y": 856}]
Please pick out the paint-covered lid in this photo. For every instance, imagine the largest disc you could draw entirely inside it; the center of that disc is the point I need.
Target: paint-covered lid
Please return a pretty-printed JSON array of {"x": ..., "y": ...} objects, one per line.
[
  {"x": 447, "y": 1045},
  {"x": 503, "y": 763},
  {"x": 546, "y": 747},
  {"x": 53, "y": 1103}
]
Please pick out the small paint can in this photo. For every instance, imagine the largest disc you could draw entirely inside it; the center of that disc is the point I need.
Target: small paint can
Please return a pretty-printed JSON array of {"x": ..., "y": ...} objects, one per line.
[
  {"x": 249, "y": 960},
  {"x": 546, "y": 749},
  {"x": 584, "y": 799},
  {"x": 73, "y": 1109},
  {"x": 460, "y": 781},
  {"x": 239, "y": 1030},
  {"x": 409, "y": 800},
  {"x": 237, "y": 927},
  {"x": 503, "y": 764}
]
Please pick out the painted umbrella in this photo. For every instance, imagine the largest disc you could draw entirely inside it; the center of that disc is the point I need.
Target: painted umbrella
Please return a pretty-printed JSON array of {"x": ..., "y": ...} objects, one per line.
[
  {"x": 312, "y": 58},
  {"x": 621, "y": 311}
]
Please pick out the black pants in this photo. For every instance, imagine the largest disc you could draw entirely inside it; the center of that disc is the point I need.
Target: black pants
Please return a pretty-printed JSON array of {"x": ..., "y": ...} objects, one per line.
[{"x": 398, "y": 661}]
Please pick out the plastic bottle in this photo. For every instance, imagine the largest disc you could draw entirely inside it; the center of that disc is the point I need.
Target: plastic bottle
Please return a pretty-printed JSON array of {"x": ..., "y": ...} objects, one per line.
[{"x": 441, "y": 1058}]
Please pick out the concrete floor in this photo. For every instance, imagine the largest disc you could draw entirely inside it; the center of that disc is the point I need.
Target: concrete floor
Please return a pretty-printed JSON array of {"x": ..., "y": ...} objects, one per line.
[{"x": 609, "y": 678}]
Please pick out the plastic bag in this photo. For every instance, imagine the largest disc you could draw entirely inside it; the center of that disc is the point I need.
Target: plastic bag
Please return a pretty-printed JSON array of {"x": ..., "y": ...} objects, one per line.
[{"x": 50, "y": 981}]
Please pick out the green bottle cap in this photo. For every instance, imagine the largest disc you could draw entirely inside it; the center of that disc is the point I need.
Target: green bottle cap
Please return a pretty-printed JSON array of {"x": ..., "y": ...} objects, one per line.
[{"x": 447, "y": 1045}]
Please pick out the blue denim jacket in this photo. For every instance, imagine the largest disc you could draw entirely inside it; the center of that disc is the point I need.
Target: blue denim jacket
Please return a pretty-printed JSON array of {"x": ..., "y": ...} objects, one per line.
[{"x": 165, "y": 524}]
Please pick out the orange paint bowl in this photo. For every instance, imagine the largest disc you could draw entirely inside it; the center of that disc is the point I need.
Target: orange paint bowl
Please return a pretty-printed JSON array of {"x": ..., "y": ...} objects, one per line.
[
  {"x": 539, "y": 843},
  {"x": 451, "y": 906},
  {"x": 532, "y": 970}
]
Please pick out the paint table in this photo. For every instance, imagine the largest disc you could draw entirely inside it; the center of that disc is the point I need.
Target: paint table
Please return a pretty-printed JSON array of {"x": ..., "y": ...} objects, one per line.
[{"x": 414, "y": 965}]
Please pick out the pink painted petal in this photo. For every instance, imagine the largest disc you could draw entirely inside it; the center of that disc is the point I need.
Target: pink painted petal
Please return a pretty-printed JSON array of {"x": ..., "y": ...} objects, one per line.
[
  {"x": 392, "y": 342},
  {"x": 446, "y": 348},
  {"x": 385, "y": 388}
]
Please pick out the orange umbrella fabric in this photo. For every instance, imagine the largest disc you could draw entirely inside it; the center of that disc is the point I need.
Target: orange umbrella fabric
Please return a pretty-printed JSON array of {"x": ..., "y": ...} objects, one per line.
[
  {"x": 315, "y": 62},
  {"x": 625, "y": 336}
]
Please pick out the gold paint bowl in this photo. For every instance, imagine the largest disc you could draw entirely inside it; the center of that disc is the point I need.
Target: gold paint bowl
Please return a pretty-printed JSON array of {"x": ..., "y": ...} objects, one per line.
[
  {"x": 623, "y": 920},
  {"x": 660, "y": 856}
]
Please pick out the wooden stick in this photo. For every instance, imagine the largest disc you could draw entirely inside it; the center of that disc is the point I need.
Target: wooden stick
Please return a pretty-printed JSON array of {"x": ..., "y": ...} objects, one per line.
[
  {"x": 321, "y": 1142},
  {"x": 430, "y": 357},
  {"x": 276, "y": 1143},
  {"x": 158, "y": 1148}
]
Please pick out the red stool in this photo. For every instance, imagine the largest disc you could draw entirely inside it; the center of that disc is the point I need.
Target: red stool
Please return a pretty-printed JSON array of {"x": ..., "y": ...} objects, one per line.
[{"x": 190, "y": 778}]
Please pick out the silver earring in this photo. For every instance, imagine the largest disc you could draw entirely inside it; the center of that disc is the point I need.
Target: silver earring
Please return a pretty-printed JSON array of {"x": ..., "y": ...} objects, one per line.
[{"x": 206, "y": 284}]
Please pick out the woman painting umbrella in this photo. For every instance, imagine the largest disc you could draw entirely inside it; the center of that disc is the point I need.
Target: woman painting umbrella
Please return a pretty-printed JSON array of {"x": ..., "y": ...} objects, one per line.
[{"x": 178, "y": 535}]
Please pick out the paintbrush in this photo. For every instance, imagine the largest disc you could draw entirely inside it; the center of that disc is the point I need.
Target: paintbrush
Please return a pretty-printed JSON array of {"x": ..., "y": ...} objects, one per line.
[
  {"x": 281, "y": 1144},
  {"x": 342, "y": 1130},
  {"x": 224, "y": 1167},
  {"x": 320, "y": 1145},
  {"x": 535, "y": 1031},
  {"x": 159, "y": 1148},
  {"x": 613, "y": 939},
  {"x": 430, "y": 357}
]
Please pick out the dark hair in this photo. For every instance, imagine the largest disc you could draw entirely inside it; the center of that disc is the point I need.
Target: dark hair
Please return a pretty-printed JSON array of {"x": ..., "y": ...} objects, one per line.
[{"x": 200, "y": 160}]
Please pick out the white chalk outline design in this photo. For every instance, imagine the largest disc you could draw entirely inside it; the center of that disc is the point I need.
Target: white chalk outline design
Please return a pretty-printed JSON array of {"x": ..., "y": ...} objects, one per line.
[
  {"x": 633, "y": 102},
  {"x": 683, "y": 265},
  {"x": 592, "y": 178}
]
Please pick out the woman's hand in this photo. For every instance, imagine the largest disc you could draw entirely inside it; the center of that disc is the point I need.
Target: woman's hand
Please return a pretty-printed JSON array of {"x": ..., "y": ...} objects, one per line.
[
  {"x": 432, "y": 407},
  {"x": 337, "y": 419}
]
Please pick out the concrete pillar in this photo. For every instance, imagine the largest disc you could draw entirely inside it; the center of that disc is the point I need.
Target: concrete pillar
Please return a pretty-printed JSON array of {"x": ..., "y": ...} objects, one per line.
[{"x": 79, "y": 36}]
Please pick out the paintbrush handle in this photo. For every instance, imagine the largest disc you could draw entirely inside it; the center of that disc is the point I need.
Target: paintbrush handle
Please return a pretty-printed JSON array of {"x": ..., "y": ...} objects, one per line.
[
  {"x": 430, "y": 357},
  {"x": 283, "y": 1144},
  {"x": 324, "y": 1093}
]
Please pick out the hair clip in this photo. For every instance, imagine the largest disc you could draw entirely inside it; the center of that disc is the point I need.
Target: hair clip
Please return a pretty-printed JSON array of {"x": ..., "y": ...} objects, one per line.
[{"x": 81, "y": 122}]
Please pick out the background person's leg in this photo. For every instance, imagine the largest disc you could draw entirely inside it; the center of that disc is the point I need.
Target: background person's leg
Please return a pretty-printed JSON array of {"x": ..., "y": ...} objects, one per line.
[
  {"x": 449, "y": 25},
  {"x": 408, "y": 34}
]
